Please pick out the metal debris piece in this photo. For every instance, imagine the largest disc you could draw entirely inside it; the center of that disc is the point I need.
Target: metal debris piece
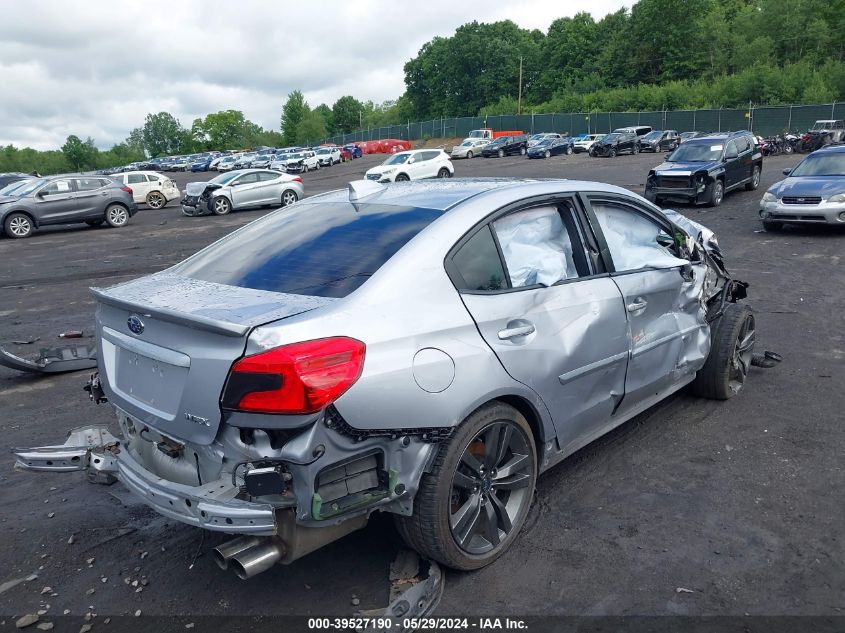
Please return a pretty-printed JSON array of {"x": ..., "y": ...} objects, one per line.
[
  {"x": 27, "y": 341},
  {"x": 44, "y": 626},
  {"x": 71, "y": 334},
  {"x": 53, "y": 360},
  {"x": 28, "y": 620},
  {"x": 684, "y": 590}
]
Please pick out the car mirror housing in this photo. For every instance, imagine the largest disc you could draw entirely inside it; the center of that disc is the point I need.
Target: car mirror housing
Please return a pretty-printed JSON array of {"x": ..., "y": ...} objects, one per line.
[{"x": 787, "y": 171}]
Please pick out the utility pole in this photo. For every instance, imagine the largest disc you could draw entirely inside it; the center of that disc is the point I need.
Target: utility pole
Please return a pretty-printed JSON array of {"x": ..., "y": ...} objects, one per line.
[{"x": 519, "y": 98}]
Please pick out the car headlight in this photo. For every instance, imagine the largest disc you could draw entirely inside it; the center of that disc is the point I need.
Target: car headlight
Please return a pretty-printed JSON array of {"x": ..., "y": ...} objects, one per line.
[
  {"x": 388, "y": 171},
  {"x": 769, "y": 197},
  {"x": 839, "y": 197}
]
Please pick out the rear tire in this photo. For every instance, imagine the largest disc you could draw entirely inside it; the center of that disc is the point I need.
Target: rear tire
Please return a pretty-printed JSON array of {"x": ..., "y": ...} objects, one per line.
[
  {"x": 18, "y": 226},
  {"x": 755, "y": 179},
  {"x": 500, "y": 153},
  {"x": 117, "y": 216},
  {"x": 155, "y": 200},
  {"x": 732, "y": 338},
  {"x": 289, "y": 197},
  {"x": 547, "y": 154},
  {"x": 569, "y": 150},
  {"x": 522, "y": 151},
  {"x": 467, "y": 511},
  {"x": 443, "y": 173},
  {"x": 635, "y": 150},
  {"x": 612, "y": 153}
]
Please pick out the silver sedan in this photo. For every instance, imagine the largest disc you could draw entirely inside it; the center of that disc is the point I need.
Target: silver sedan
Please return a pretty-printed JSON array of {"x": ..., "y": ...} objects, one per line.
[
  {"x": 421, "y": 348},
  {"x": 241, "y": 189}
]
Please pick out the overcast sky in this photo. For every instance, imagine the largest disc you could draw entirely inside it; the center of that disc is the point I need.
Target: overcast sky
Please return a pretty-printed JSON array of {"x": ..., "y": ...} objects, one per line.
[{"x": 95, "y": 68}]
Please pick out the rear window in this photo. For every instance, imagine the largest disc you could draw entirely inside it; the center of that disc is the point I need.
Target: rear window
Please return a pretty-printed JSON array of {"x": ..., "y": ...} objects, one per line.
[{"x": 324, "y": 250}]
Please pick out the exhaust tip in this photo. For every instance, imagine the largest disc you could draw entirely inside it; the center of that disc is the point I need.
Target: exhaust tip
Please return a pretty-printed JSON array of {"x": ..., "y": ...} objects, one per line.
[
  {"x": 239, "y": 570},
  {"x": 219, "y": 558}
]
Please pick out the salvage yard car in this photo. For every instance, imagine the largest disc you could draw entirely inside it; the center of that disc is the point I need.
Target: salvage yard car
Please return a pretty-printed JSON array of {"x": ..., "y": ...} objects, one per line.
[
  {"x": 469, "y": 148},
  {"x": 413, "y": 165},
  {"x": 584, "y": 143},
  {"x": 812, "y": 192},
  {"x": 65, "y": 200},
  {"x": 704, "y": 169},
  {"x": 241, "y": 189},
  {"x": 150, "y": 187},
  {"x": 616, "y": 143},
  {"x": 551, "y": 147},
  {"x": 660, "y": 141},
  {"x": 506, "y": 146},
  {"x": 285, "y": 383}
]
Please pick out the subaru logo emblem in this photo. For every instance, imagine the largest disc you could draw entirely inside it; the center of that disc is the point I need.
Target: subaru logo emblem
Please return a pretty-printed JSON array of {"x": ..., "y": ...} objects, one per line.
[{"x": 135, "y": 324}]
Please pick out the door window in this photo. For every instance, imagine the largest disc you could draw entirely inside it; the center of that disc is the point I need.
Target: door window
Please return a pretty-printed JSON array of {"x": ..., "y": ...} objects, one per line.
[
  {"x": 246, "y": 179},
  {"x": 134, "y": 179},
  {"x": 266, "y": 176},
  {"x": 730, "y": 150},
  {"x": 536, "y": 246},
  {"x": 152, "y": 178},
  {"x": 88, "y": 184},
  {"x": 57, "y": 187},
  {"x": 478, "y": 264},
  {"x": 632, "y": 238}
]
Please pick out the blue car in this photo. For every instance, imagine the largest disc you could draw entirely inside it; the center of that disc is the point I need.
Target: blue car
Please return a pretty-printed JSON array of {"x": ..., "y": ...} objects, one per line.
[
  {"x": 202, "y": 165},
  {"x": 813, "y": 192},
  {"x": 354, "y": 150}
]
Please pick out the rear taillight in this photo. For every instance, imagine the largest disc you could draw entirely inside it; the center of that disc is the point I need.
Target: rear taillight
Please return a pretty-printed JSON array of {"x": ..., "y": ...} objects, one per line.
[
  {"x": 297, "y": 179},
  {"x": 126, "y": 189},
  {"x": 298, "y": 378}
]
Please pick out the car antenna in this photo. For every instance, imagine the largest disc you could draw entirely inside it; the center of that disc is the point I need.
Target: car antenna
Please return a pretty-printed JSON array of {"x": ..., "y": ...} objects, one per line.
[{"x": 363, "y": 188}]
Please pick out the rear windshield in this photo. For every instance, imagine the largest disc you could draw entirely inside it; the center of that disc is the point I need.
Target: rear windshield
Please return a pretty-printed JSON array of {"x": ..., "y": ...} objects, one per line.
[{"x": 324, "y": 250}]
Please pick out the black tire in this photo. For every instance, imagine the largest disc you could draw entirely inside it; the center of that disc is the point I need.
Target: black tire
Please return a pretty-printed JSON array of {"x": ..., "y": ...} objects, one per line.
[
  {"x": 522, "y": 151},
  {"x": 469, "y": 154},
  {"x": 94, "y": 222},
  {"x": 635, "y": 150},
  {"x": 772, "y": 225},
  {"x": 116, "y": 216},
  {"x": 715, "y": 193},
  {"x": 289, "y": 197},
  {"x": 18, "y": 226},
  {"x": 401, "y": 178},
  {"x": 500, "y": 153},
  {"x": 569, "y": 150},
  {"x": 547, "y": 154},
  {"x": 612, "y": 153},
  {"x": 156, "y": 200},
  {"x": 221, "y": 205},
  {"x": 444, "y": 173},
  {"x": 650, "y": 196},
  {"x": 752, "y": 184},
  {"x": 732, "y": 338},
  {"x": 429, "y": 530}
]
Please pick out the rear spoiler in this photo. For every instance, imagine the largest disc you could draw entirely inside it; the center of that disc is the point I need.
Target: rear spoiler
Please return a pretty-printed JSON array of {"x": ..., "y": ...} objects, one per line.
[{"x": 198, "y": 322}]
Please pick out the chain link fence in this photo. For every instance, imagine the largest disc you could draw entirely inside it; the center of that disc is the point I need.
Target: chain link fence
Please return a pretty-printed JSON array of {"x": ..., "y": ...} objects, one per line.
[{"x": 762, "y": 120}]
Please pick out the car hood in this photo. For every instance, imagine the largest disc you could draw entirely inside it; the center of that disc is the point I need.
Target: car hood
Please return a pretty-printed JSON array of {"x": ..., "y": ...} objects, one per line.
[
  {"x": 824, "y": 186},
  {"x": 684, "y": 169},
  {"x": 196, "y": 188},
  {"x": 5, "y": 199}
]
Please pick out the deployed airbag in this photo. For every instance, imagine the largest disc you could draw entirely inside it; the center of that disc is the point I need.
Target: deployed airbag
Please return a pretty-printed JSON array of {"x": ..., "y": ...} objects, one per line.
[{"x": 632, "y": 240}]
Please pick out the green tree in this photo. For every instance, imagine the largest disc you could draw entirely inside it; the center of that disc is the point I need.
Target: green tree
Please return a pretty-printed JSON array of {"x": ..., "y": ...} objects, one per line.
[
  {"x": 163, "y": 134},
  {"x": 348, "y": 113},
  {"x": 79, "y": 154},
  {"x": 293, "y": 113},
  {"x": 227, "y": 129},
  {"x": 311, "y": 128},
  {"x": 328, "y": 117}
]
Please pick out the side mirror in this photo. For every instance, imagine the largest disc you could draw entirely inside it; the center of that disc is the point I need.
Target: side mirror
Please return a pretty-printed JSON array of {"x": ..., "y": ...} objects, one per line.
[
  {"x": 41, "y": 193},
  {"x": 411, "y": 160},
  {"x": 787, "y": 171},
  {"x": 665, "y": 240}
]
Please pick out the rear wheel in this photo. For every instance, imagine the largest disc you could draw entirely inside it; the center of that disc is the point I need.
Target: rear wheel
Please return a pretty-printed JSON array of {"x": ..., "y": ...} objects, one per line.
[
  {"x": 612, "y": 153},
  {"x": 732, "y": 338},
  {"x": 289, "y": 197},
  {"x": 18, "y": 225},
  {"x": 569, "y": 150},
  {"x": 443, "y": 173},
  {"x": 117, "y": 216},
  {"x": 500, "y": 153},
  {"x": 635, "y": 150},
  {"x": 155, "y": 200},
  {"x": 755, "y": 179},
  {"x": 474, "y": 500},
  {"x": 522, "y": 151},
  {"x": 772, "y": 225},
  {"x": 221, "y": 205}
]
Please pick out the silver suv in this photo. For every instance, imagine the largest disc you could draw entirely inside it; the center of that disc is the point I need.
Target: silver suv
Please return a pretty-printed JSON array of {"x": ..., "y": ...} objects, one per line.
[
  {"x": 65, "y": 200},
  {"x": 424, "y": 349}
]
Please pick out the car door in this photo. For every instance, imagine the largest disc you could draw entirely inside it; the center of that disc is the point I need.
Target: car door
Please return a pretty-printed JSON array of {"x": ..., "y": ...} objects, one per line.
[
  {"x": 268, "y": 190},
  {"x": 246, "y": 191},
  {"x": 733, "y": 166},
  {"x": 419, "y": 166},
  {"x": 554, "y": 320},
  {"x": 55, "y": 202},
  {"x": 90, "y": 198},
  {"x": 139, "y": 185},
  {"x": 745, "y": 164},
  {"x": 667, "y": 330}
]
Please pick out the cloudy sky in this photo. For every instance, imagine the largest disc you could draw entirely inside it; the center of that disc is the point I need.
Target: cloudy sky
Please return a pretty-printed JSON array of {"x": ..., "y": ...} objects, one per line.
[{"x": 95, "y": 68}]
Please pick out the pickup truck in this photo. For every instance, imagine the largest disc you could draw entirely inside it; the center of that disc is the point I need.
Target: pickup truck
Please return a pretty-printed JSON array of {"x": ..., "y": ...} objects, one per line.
[{"x": 488, "y": 134}]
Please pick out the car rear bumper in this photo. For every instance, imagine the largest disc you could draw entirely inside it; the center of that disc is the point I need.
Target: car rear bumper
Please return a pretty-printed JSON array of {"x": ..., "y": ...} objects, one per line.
[{"x": 823, "y": 213}]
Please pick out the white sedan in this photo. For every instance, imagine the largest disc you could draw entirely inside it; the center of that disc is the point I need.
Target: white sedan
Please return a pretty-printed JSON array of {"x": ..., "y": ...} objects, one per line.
[
  {"x": 469, "y": 148},
  {"x": 413, "y": 165}
]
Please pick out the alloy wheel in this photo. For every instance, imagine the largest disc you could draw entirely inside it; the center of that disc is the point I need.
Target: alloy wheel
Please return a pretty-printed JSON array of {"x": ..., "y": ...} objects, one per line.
[
  {"x": 155, "y": 201},
  {"x": 743, "y": 351},
  {"x": 117, "y": 216},
  {"x": 288, "y": 198},
  {"x": 20, "y": 226},
  {"x": 489, "y": 487}
]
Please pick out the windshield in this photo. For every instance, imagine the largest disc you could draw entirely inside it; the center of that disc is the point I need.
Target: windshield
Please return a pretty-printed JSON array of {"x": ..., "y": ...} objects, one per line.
[
  {"x": 263, "y": 157},
  {"x": 653, "y": 136},
  {"x": 478, "y": 134},
  {"x": 826, "y": 125},
  {"x": 294, "y": 156},
  {"x": 545, "y": 142},
  {"x": 397, "y": 159},
  {"x": 611, "y": 137},
  {"x": 311, "y": 250},
  {"x": 324, "y": 151},
  {"x": 832, "y": 164},
  {"x": 222, "y": 179},
  {"x": 696, "y": 152},
  {"x": 538, "y": 137},
  {"x": 8, "y": 189},
  {"x": 29, "y": 186},
  {"x": 467, "y": 144}
]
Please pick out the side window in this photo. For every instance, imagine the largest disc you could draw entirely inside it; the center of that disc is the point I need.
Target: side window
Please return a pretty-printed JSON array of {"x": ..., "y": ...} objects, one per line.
[
  {"x": 57, "y": 187},
  {"x": 88, "y": 184},
  {"x": 266, "y": 175},
  {"x": 742, "y": 144},
  {"x": 246, "y": 179},
  {"x": 478, "y": 263},
  {"x": 632, "y": 238},
  {"x": 152, "y": 178},
  {"x": 731, "y": 148},
  {"x": 134, "y": 179},
  {"x": 536, "y": 246}
]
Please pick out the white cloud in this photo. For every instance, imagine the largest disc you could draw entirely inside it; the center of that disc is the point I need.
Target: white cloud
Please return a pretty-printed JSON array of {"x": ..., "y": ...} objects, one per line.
[{"x": 95, "y": 68}]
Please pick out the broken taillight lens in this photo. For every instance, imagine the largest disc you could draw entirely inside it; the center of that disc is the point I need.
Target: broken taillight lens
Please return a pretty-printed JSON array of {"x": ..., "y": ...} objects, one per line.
[
  {"x": 297, "y": 179},
  {"x": 298, "y": 378}
]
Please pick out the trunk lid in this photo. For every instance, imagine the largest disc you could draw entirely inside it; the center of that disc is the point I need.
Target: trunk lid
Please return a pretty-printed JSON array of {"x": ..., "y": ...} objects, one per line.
[{"x": 166, "y": 342}]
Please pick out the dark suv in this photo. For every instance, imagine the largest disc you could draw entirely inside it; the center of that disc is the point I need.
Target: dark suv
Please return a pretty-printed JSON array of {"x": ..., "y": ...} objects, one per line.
[
  {"x": 506, "y": 145},
  {"x": 65, "y": 200},
  {"x": 616, "y": 143},
  {"x": 660, "y": 141},
  {"x": 704, "y": 169}
]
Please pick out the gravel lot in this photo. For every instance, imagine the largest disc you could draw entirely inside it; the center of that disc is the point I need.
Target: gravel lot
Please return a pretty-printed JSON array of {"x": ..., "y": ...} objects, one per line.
[{"x": 739, "y": 502}]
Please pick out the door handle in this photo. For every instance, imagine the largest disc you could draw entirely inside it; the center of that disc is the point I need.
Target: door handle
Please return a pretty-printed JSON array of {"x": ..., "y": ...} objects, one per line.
[
  {"x": 514, "y": 332},
  {"x": 637, "y": 305}
]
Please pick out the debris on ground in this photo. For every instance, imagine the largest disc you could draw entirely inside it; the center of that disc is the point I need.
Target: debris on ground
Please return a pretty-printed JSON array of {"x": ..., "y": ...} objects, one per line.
[
  {"x": 138, "y": 613},
  {"x": 45, "y": 626},
  {"x": 684, "y": 590},
  {"x": 85, "y": 628},
  {"x": 27, "y": 341},
  {"x": 71, "y": 540},
  {"x": 28, "y": 620},
  {"x": 355, "y": 601},
  {"x": 71, "y": 334},
  {"x": 46, "y": 590},
  {"x": 54, "y": 360}
]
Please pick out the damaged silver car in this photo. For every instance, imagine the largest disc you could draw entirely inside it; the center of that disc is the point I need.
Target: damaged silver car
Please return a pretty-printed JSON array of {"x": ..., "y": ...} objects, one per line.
[{"x": 424, "y": 349}]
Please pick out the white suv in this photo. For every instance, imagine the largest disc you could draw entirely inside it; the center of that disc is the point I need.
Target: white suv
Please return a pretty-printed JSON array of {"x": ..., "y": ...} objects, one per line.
[
  {"x": 328, "y": 156},
  {"x": 150, "y": 187},
  {"x": 413, "y": 165}
]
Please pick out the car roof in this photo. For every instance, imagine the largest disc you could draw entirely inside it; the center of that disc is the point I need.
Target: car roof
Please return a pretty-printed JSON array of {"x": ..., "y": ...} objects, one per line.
[
  {"x": 831, "y": 149},
  {"x": 443, "y": 194}
]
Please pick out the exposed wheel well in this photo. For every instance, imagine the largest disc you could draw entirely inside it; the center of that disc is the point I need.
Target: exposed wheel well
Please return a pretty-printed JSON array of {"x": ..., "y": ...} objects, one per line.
[{"x": 530, "y": 414}]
